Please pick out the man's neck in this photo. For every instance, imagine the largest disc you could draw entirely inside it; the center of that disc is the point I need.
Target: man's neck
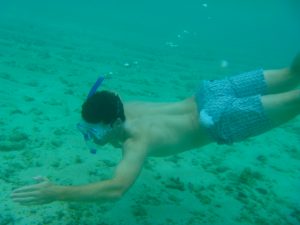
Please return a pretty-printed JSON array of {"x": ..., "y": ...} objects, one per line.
[{"x": 121, "y": 136}]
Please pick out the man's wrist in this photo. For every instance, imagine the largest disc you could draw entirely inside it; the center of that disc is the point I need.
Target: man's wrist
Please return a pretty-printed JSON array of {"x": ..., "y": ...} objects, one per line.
[{"x": 59, "y": 192}]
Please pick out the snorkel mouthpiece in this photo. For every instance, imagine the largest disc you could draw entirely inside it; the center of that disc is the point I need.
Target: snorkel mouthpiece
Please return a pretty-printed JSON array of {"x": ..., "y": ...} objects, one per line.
[{"x": 92, "y": 131}]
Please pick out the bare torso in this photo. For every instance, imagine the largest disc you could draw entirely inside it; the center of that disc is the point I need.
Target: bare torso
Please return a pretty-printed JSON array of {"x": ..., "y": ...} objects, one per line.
[{"x": 168, "y": 128}]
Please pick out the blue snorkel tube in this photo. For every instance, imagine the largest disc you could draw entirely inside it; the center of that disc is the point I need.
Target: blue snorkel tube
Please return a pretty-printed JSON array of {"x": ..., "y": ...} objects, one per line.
[
  {"x": 95, "y": 86},
  {"x": 80, "y": 127}
]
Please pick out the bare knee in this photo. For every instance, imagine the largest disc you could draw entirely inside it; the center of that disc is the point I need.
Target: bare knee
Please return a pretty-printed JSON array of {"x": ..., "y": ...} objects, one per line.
[
  {"x": 285, "y": 79},
  {"x": 282, "y": 107}
]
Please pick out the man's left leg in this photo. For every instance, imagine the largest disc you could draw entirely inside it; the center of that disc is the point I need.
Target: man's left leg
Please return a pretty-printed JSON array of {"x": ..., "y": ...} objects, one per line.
[{"x": 280, "y": 108}]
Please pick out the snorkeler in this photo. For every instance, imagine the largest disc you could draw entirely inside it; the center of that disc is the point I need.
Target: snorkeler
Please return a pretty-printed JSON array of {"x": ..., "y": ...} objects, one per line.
[{"x": 223, "y": 111}]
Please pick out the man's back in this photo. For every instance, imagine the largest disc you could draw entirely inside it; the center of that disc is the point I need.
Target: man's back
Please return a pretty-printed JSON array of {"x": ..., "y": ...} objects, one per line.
[{"x": 168, "y": 128}]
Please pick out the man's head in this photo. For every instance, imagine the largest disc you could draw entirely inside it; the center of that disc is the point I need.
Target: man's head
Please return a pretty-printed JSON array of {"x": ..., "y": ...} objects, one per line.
[{"x": 103, "y": 115}]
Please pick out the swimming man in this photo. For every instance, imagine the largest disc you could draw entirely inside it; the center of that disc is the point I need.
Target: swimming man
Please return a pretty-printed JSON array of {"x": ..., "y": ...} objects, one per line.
[{"x": 223, "y": 111}]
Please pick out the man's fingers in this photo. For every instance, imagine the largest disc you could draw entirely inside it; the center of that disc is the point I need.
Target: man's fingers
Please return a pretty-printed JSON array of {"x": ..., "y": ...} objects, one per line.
[
  {"x": 32, "y": 194},
  {"x": 26, "y": 188},
  {"x": 25, "y": 200},
  {"x": 30, "y": 202},
  {"x": 23, "y": 194}
]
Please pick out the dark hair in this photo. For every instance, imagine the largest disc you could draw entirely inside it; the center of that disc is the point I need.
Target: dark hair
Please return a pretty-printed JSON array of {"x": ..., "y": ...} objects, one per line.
[{"x": 103, "y": 107}]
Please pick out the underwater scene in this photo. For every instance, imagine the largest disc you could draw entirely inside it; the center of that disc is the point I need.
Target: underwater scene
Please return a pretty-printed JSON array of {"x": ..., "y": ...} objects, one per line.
[{"x": 168, "y": 154}]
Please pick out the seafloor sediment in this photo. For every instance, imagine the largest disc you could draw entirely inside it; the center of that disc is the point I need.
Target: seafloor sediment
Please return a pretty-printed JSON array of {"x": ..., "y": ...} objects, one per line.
[{"x": 45, "y": 75}]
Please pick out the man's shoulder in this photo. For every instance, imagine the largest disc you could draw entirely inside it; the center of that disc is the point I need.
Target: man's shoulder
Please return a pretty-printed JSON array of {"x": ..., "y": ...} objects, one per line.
[
  {"x": 139, "y": 141},
  {"x": 135, "y": 142}
]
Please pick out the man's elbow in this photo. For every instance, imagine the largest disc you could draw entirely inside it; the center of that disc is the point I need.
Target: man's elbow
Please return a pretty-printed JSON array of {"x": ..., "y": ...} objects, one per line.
[
  {"x": 109, "y": 196},
  {"x": 118, "y": 193}
]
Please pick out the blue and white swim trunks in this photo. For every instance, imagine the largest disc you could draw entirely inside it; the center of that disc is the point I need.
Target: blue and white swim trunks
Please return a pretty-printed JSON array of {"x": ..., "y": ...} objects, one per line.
[{"x": 231, "y": 108}]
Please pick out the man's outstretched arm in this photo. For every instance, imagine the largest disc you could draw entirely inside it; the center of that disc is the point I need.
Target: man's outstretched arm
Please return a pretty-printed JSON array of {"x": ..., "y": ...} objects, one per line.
[{"x": 104, "y": 191}]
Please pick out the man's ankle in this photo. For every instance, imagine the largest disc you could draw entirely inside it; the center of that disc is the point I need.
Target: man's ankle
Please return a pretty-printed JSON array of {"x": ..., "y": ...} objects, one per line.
[{"x": 295, "y": 67}]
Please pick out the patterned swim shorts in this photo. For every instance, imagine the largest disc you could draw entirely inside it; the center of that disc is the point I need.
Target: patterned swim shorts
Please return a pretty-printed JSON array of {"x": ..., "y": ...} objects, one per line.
[{"x": 231, "y": 108}]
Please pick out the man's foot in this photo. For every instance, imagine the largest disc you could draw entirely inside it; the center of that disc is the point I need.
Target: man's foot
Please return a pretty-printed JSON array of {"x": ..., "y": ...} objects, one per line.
[{"x": 295, "y": 68}]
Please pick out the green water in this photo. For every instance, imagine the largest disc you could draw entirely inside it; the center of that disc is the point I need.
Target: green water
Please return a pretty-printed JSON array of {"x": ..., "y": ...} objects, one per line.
[
  {"x": 51, "y": 52},
  {"x": 254, "y": 29}
]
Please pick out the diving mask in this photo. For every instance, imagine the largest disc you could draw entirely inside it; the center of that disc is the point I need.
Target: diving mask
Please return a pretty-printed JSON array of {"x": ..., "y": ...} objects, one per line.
[{"x": 92, "y": 132}]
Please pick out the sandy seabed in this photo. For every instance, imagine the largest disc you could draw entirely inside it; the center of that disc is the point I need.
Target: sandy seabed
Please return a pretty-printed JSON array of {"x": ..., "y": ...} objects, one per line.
[{"x": 45, "y": 75}]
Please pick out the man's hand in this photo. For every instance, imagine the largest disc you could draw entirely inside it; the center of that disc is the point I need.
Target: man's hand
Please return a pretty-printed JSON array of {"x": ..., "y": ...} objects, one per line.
[{"x": 41, "y": 193}]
